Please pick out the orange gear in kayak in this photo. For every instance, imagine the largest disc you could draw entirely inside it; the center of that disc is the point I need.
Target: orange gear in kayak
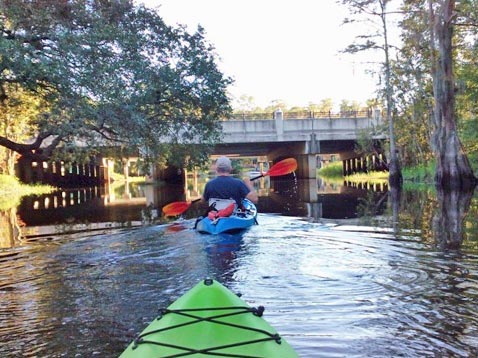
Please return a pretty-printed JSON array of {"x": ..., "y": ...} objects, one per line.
[{"x": 227, "y": 211}]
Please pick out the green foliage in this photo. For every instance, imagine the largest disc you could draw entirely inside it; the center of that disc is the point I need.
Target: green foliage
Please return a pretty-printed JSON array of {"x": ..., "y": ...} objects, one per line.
[
  {"x": 246, "y": 105},
  {"x": 413, "y": 92},
  {"x": 325, "y": 105},
  {"x": 11, "y": 191},
  {"x": 8, "y": 184},
  {"x": 18, "y": 113},
  {"x": 412, "y": 78},
  {"x": 236, "y": 166},
  {"x": 349, "y": 106},
  {"x": 467, "y": 98},
  {"x": 331, "y": 170},
  {"x": 420, "y": 173},
  {"x": 371, "y": 177},
  {"x": 334, "y": 171},
  {"x": 276, "y": 104},
  {"x": 111, "y": 73},
  {"x": 9, "y": 201},
  {"x": 368, "y": 208}
]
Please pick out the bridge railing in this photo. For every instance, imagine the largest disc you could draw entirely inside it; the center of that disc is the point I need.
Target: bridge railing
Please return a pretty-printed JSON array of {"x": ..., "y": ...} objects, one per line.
[
  {"x": 302, "y": 115},
  {"x": 250, "y": 116}
]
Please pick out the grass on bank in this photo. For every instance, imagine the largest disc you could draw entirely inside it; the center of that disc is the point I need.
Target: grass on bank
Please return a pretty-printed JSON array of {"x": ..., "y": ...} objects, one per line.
[
  {"x": 11, "y": 191},
  {"x": 333, "y": 173},
  {"x": 418, "y": 174},
  {"x": 120, "y": 178}
]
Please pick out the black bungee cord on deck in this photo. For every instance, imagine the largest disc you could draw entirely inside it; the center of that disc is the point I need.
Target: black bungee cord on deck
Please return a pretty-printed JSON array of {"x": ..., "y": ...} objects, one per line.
[{"x": 213, "y": 319}]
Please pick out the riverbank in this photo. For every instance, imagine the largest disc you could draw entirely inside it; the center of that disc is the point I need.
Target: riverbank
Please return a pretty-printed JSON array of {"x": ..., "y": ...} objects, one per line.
[
  {"x": 11, "y": 190},
  {"x": 423, "y": 174}
]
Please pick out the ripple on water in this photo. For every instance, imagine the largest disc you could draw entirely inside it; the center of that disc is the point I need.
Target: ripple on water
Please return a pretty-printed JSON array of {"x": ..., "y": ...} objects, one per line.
[{"x": 330, "y": 290}]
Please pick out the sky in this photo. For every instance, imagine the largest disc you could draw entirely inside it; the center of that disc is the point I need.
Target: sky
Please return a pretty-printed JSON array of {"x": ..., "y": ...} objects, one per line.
[{"x": 279, "y": 49}]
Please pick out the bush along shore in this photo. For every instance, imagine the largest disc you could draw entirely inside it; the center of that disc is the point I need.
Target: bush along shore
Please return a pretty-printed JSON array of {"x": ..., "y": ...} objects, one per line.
[
  {"x": 11, "y": 190},
  {"x": 419, "y": 174}
]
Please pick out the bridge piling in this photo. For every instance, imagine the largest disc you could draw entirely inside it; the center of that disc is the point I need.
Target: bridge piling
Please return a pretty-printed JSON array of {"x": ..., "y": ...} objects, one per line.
[{"x": 307, "y": 166}]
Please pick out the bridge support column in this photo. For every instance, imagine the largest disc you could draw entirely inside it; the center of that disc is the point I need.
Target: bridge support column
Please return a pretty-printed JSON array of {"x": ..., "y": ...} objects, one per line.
[
  {"x": 307, "y": 166},
  {"x": 314, "y": 210},
  {"x": 309, "y": 191},
  {"x": 108, "y": 168}
]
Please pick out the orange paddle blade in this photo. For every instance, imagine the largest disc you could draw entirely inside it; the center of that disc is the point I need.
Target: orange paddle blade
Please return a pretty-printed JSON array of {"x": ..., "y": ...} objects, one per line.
[
  {"x": 283, "y": 167},
  {"x": 176, "y": 208}
]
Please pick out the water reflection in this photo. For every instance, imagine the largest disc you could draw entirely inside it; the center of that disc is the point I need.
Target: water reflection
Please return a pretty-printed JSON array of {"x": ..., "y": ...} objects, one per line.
[
  {"x": 311, "y": 198},
  {"x": 344, "y": 271},
  {"x": 222, "y": 251},
  {"x": 10, "y": 231},
  {"x": 330, "y": 291},
  {"x": 448, "y": 219},
  {"x": 134, "y": 204},
  {"x": 131, "y": 204}
]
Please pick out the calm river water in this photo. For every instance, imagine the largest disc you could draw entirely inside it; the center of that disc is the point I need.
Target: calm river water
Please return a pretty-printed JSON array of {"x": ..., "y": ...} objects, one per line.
[{"x": 341, "y": 271}]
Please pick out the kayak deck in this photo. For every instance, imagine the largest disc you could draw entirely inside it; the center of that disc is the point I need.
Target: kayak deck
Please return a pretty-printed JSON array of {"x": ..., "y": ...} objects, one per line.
[
  {"x": 209, "y": 320},
  {"x": 239, "y": 220}
]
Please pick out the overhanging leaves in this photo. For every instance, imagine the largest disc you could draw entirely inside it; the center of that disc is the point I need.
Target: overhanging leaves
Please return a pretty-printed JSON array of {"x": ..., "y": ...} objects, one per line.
[{"x": 111, "y": 73}]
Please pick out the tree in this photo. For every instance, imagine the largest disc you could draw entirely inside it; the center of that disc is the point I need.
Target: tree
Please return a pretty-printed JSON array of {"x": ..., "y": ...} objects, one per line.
[
  {"x": 17, "y": 117},
  {"x": 453, "y": 168},
  {"x": 414, "y": 75},
  {"x": 467, "y": 99},
  {"x": 411, "y": 79},
  {"x": 349, "y": 106},
  {"x": 326, "y": 105},
  {"x": 276, "y": 104},
  {"x": 245, "y": 103},
  {"x": 112, "y": 73},
  {"x": 377, "y": 9}
]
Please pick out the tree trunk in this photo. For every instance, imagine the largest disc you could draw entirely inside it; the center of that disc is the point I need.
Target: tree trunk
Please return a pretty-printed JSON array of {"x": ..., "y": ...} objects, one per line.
[
  {"x": 10, "y": 233},
  {"x": 10, "y": 162},
  {"x": 395, "y": 178},
  {"x": 453, "y": 169},
  {"x": 447, "y": 223},
  {"x": 395, "y": 193}
]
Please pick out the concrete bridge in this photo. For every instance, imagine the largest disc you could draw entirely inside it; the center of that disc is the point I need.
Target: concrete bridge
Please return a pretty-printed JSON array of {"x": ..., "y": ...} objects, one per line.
[
  {"x": 282, "y": 135},
  {"x": 303, "y": 138}
]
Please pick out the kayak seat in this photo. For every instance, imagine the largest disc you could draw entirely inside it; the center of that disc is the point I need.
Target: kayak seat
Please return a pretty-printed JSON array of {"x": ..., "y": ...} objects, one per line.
[
  {"x": 222, "y": 213},
  {"x": 220, "y": 208},
  {"x": 220, "y": 204}
]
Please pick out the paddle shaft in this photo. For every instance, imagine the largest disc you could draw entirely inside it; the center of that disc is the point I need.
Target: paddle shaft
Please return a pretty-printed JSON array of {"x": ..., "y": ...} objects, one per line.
[{"x": 260, "y": 176}]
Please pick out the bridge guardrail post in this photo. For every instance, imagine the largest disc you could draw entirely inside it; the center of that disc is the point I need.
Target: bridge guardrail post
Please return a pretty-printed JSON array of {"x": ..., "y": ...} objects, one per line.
[{"x": 279, "y": 123}]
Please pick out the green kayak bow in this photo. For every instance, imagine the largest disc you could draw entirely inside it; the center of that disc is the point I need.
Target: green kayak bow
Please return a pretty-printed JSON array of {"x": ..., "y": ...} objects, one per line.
[{"x": 209, "y": 320}]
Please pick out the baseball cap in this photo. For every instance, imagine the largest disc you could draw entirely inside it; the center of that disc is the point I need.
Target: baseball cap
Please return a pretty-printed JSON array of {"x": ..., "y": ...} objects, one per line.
[{"x": 223, "y": 164}]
